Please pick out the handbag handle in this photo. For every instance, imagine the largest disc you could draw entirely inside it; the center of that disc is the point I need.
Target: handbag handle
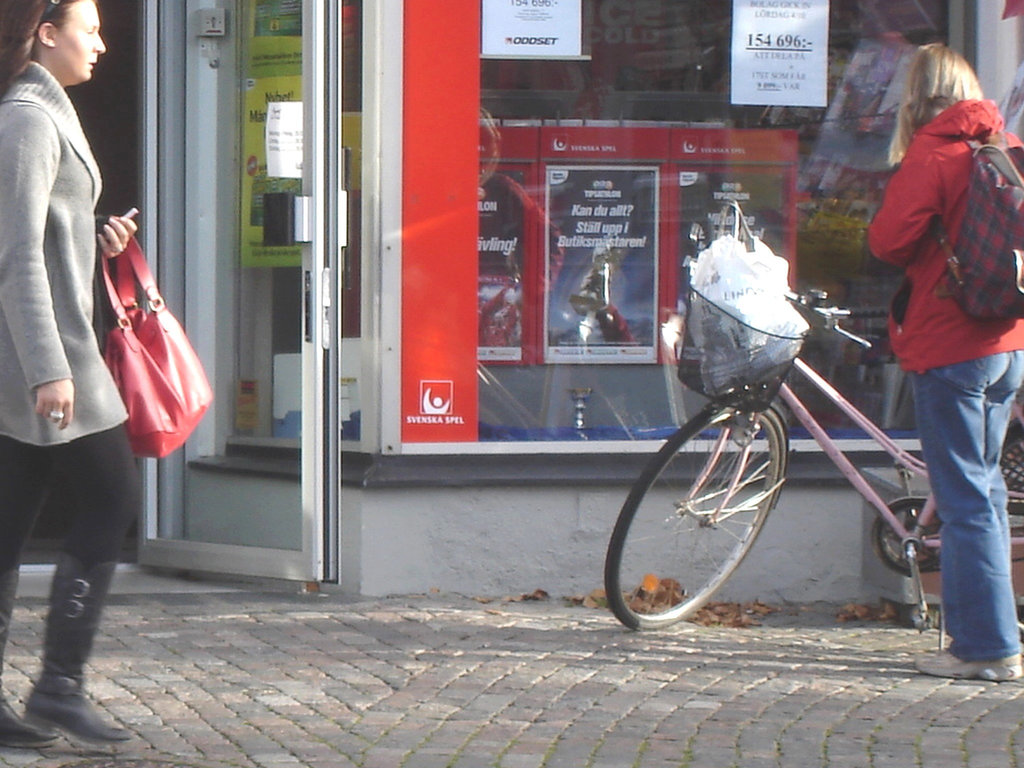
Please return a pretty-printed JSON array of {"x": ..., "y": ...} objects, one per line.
[
  {"x": 132, "y": 267},
  {"x": 740, "y": 228}
]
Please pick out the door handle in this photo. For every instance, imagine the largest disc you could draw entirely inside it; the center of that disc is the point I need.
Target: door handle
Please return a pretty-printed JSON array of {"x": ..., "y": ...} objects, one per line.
[{"x": 325, "y": 307}]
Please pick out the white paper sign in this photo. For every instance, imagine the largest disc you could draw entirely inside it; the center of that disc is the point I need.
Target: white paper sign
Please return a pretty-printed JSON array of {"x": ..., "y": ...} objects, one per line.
[
  {"x": 531, "y": 29},
  {"x": 284, "y": 139},
  {"x": 780, "y": 52}
]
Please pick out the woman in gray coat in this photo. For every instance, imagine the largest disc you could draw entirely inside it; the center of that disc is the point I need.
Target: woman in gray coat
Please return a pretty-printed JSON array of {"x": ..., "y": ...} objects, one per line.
[{"x": 60, "y": 412}]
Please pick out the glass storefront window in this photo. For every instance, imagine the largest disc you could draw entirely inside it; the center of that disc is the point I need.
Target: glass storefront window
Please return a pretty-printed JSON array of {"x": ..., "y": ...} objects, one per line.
[
  {"x": 269, "y": 327},
  {"x": 350, "y": 283},
  {"x": 601, "y": 174},
  {"x": 269, "y": 378}
]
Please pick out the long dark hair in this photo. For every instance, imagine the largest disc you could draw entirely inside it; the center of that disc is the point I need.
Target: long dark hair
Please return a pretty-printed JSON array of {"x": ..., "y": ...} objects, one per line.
[{"x": 19, "y": 20}]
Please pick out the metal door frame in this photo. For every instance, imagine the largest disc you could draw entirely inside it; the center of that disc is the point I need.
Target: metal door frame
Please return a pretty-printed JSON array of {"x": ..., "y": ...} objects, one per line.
[{"x": 178, "y": 227}]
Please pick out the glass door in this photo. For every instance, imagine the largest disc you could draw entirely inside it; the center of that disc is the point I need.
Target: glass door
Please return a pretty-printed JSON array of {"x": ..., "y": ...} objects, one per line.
[{"x": 243, "y": 154}]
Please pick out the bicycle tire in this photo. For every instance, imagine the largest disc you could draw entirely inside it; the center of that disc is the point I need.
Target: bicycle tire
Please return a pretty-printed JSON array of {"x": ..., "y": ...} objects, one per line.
[{"x": 666, "y": 557}]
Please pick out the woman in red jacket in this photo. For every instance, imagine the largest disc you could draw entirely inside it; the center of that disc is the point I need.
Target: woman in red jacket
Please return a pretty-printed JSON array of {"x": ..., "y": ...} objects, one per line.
[{"x": 965, "y": 372}]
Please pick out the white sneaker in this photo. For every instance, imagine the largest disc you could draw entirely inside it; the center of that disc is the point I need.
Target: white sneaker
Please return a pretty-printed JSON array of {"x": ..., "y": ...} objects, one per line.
[{"x": 945, "y": 664}]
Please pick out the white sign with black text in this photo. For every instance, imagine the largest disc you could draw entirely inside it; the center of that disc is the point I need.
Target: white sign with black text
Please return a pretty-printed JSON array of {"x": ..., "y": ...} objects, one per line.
[
  {"x": 284, "y": 139},
  {"x": 531, "y": 29},
  {"x": 780, "y": 52}
]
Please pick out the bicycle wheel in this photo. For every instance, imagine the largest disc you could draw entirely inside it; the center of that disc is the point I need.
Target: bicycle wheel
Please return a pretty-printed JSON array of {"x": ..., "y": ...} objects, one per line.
[{"x": 693, "y": 514}]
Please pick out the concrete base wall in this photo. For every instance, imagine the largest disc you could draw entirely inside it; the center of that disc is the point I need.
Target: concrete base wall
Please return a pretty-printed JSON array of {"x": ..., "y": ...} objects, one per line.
[{"x": 504, "y": 541}]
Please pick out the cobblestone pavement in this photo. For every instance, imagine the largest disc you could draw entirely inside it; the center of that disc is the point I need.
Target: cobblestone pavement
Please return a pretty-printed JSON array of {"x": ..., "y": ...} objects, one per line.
[{"x": 252, "y": 677}]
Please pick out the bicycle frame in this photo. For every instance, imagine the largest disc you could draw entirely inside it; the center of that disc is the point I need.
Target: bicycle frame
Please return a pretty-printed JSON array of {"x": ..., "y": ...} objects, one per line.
[
  {"x": 835, "y": 454},
  {"x": 903, "y": 458}
]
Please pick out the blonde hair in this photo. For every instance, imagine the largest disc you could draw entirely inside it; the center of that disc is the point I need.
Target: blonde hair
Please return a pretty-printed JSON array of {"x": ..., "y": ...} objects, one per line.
[{"x": 938, "y": 78}]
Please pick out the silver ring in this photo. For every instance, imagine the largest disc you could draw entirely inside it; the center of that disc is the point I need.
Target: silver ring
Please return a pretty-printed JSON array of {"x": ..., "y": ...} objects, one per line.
[{"x": 56, "y": 415}]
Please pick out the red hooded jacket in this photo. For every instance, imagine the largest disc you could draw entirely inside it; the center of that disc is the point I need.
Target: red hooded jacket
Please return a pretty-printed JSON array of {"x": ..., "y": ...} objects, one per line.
[{"x": 932, "y": 181}]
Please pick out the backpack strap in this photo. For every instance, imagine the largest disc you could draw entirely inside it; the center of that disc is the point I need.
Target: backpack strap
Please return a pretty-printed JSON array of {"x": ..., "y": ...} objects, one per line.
[
  {"x": 952, "y": 262},
  {"x": 998, "y": 157}
]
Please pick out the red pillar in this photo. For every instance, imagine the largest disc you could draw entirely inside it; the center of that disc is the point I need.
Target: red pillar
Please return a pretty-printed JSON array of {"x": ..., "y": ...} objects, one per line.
[{"x": 440, "y": 166}]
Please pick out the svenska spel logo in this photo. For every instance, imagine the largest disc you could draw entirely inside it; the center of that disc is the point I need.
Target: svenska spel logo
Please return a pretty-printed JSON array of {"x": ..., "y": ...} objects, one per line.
[{"x": 436, "y": 398}]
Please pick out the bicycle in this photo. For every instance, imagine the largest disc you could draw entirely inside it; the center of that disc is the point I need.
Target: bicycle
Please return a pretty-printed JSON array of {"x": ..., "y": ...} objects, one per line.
[{"x": 699, "y": 504}]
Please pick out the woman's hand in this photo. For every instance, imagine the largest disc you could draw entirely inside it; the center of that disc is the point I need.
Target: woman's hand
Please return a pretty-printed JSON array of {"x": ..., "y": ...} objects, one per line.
[
  {"x": 55, "y": 402},
  {"x": 116, "y": 233}
]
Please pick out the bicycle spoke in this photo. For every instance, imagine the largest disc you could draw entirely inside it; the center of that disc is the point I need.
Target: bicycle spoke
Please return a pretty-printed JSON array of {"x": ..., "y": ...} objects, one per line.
[{"x": 750, "y": 504}]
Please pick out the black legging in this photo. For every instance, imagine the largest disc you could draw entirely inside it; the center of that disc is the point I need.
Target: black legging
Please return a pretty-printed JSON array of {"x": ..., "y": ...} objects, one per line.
[{"x": 103, "y": 489}]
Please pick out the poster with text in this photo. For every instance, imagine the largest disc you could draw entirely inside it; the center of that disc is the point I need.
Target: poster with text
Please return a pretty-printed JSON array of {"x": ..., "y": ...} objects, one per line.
[
  {"x": 780, "y": 52},
  {"x": 705, "y": 197},
  {"x": 273, "y": 69},
  {"x": 275, "y": 42},
  {"x": 502, "y": 247},
  {"x": 531, "y": 29},
  {"x": 755, "y": 168},
  {"x": 602, "y": 267}
]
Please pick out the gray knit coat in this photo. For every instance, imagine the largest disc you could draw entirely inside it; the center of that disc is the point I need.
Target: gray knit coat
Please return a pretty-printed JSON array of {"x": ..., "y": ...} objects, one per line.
[{"x": 49, "y": 186}]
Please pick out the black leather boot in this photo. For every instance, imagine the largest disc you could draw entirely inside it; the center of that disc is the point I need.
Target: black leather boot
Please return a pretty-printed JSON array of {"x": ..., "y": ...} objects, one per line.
[
  {"x": 15, "y": 732},
  {"x": 58, "y": 700}
]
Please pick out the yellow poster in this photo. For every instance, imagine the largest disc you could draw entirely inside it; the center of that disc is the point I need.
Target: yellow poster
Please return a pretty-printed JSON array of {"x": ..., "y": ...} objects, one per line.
[{"x": 273, "y": 73}]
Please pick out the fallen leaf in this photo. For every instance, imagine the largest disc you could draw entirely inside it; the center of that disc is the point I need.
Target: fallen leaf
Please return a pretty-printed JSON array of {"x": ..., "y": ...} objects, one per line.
[
  {"x": 655, "y": 595},
  {"x": 596, "y": 599},
  {"x": 885, "y": 611},
  {"x": 537, "y": 594},
  {"x": 761, "y": 609},
  {"x": 732, "y": 615}
]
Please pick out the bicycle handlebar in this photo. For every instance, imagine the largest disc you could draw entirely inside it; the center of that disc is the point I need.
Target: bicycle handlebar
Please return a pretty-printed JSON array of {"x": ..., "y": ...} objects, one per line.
[{"x": 811, "y": 304}]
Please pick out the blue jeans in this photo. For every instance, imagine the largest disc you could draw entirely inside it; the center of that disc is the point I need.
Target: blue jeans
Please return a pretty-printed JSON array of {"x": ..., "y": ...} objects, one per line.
[{"x": 962, "y": 414}]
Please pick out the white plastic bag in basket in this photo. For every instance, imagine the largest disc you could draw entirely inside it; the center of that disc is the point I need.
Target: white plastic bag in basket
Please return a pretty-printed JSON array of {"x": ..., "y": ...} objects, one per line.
[{"x": 750, "y": 285}]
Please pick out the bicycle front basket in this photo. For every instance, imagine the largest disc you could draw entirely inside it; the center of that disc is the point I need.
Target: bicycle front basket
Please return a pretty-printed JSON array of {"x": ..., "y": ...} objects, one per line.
[{"x": 728, "y": 360}]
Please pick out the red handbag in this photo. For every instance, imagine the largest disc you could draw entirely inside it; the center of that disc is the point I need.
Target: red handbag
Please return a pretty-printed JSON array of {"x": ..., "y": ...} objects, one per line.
[{"x": 161, "y": 380}]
